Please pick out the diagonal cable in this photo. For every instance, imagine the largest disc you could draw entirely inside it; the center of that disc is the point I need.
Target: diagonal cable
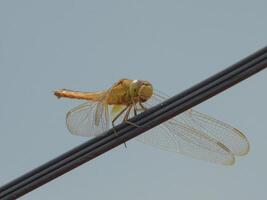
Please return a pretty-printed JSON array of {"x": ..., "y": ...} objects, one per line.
[{"x": 147, "y": 120}]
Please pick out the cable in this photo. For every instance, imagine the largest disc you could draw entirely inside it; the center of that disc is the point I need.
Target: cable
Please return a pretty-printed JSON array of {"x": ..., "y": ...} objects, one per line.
[{"x": 147, "y": 120}]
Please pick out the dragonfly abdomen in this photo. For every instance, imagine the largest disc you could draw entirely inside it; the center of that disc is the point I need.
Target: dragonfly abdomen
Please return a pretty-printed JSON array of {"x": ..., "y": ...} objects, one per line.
[{"x": 91, "y": 96}]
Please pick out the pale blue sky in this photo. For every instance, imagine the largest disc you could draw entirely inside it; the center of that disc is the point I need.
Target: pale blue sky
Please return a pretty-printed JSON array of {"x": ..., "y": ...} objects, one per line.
[{"x": 88, "y": 45}]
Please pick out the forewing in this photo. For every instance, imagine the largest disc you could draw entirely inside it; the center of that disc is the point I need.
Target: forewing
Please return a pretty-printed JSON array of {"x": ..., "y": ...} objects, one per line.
[
  {"x": 232, "y": 138},
  {"x": 88, "y": 119},
  {"x": 178, "y": 137},
  {"x": 226, "y": 134}
]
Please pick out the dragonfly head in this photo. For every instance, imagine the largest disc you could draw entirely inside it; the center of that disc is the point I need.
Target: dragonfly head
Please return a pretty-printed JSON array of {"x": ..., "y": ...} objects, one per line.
[{"x": 141, "y": 90}]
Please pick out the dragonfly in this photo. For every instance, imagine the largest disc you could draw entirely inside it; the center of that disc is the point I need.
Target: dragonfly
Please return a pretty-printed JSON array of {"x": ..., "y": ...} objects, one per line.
[{"x": 191, "y": 133}]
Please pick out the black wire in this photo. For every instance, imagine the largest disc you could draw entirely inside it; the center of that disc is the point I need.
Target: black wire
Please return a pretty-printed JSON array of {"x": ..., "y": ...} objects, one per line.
[{"x": 147, "y": 120}]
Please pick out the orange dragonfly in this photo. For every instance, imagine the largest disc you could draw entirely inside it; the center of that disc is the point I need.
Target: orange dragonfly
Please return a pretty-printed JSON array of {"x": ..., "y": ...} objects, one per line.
[{"x": 191, "y": 133}]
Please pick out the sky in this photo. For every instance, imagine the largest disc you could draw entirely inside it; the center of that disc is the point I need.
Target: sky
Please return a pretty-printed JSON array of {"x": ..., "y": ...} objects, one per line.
[{"x": 89, "y": 45}]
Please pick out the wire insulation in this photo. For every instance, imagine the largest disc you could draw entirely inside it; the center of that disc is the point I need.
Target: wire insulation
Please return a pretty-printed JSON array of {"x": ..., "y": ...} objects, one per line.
[{"x": 147, "y": 120}]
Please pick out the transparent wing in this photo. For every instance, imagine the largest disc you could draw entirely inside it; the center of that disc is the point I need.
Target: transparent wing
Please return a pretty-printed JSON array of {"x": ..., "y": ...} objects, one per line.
[
  {"x": 197, "y": 135},
  {"x": 178, "y": 137},
  {"x": 222, "y": 132},
  {"x": 226, "y": 134},
  {"x": 88, "y": 119}
]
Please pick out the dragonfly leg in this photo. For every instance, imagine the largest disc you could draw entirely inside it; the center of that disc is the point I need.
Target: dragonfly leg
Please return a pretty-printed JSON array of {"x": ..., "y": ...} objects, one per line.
[
  {"x": 135, "y": 110},
  {"x": 113, "y": 122},
  {"x": 115, "y": 118},
  {"x": 126, "y": 117},
  {"x": 142, "y": 106}
]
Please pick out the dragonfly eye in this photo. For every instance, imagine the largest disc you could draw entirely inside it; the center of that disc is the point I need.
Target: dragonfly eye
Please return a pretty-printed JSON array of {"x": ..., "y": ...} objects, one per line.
[
  {"x": 141, "y": 90},
  {"x": 145, "y": 92}
]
